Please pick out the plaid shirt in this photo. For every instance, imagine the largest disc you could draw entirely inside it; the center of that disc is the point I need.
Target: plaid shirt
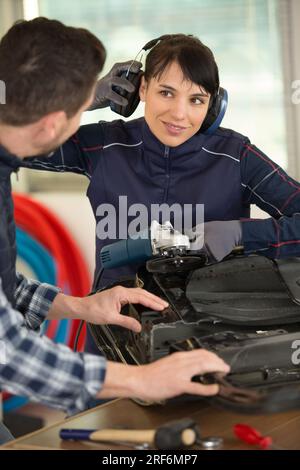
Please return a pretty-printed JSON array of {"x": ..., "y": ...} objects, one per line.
[{"x": 36, "y": 367}]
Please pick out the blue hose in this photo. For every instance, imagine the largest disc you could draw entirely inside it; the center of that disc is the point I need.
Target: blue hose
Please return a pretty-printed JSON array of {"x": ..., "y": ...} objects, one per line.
[
  {"x": 38, "y": 258},
  {"x": 43, "y": 266}
]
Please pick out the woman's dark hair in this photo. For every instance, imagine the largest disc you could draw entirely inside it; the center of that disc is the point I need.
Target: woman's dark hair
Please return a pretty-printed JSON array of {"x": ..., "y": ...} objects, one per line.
[
  {"x": 47, "y": 67},
  {"x": 196, "y": 60}
]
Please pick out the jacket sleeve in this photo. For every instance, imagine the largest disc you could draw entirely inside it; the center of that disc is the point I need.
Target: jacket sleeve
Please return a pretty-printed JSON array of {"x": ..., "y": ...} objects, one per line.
[
  {"x": 49, "y": 373},
  {"x": 270, "y": 188},
  {"x": 78, "y": 155},
  {"x": 33, "y": 299}
]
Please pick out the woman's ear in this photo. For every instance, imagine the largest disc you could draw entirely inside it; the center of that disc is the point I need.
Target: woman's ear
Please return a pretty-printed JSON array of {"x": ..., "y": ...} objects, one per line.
[{"x": 143, "y": 89}]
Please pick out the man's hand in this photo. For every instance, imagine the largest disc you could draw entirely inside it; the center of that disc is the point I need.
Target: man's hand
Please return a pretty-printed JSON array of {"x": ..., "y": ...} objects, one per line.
[
  {"x": 104, "y": 92},
  {"x": 105, "y": 307},
  {"x": 165, "y": 378},
  {"x": 216, "y": 239}
]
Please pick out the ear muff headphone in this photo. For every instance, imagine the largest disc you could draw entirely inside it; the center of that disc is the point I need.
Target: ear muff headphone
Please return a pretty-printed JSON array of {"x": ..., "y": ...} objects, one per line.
[{"x": 214, "y": 115}]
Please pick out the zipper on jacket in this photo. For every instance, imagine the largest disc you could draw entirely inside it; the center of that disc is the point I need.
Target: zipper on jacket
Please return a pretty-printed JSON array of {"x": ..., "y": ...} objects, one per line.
[{"x": 167, "y": 157}]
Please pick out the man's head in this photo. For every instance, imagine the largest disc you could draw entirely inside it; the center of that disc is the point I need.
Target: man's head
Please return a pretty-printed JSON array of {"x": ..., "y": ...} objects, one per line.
[
  {"x": 50, "y": 71},
  {"x": 181, "y": 78}
]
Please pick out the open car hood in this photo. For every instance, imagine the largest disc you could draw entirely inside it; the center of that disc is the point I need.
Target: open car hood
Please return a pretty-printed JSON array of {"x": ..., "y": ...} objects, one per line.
[{"x": 245, "y": 309}]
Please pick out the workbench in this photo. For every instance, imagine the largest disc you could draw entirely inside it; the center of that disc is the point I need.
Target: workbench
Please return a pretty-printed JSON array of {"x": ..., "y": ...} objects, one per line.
[{"x": 284, "y": 428}]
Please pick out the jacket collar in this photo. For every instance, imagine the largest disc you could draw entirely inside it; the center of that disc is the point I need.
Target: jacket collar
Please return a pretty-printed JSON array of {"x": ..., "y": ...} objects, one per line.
[
  {"x": 183, "y": 151},
  {"x": 8, "y": 160},
  {"x": 12, "y": 162}
]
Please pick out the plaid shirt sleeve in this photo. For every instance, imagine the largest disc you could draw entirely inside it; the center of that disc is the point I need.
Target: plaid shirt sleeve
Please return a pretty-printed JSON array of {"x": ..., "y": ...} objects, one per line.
[
  {"x": 270, "y": 188},
  {"x": 43, "y": 371},
  {"x": 33, "y": 299}
]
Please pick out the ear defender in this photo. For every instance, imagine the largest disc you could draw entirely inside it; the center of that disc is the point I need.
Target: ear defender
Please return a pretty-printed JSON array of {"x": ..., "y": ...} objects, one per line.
[
  {"x": 215, "y": 113},
  {"x": 135, "y": 78},
  {"x": 133, "y": 97}
]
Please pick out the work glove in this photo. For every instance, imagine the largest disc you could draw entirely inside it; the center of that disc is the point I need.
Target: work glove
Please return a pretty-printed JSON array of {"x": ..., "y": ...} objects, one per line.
[
  {"x": 216, "y": 239},
  {"x": 104, "y": 92}
]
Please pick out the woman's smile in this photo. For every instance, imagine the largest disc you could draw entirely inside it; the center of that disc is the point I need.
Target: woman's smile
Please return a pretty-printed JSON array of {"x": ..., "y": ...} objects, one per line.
[{"x": 174, "y": 129}]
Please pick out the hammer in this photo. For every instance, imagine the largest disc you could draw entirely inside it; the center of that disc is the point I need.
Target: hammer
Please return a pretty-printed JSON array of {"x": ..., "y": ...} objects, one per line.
[{"x": 172, "y": 435}]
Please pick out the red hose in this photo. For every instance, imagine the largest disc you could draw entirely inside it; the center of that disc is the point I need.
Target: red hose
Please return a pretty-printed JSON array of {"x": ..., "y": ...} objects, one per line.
[{"x": 44, "y": 226}]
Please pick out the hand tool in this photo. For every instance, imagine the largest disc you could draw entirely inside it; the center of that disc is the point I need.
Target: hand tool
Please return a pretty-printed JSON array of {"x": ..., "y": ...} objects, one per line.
[
  {"x": 252, "y": 436},
  {"x": 173, "y": 435}
]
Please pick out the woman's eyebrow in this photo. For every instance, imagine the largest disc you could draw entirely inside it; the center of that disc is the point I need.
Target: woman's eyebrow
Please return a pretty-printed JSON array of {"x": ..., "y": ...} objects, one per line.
[
  {"x": 203, "y": 94},
  {"x": 167, "y": 86}
]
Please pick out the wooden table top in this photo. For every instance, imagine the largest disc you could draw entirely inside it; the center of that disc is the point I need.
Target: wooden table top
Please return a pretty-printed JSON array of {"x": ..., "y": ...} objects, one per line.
[{"x": 284, "y": 428}]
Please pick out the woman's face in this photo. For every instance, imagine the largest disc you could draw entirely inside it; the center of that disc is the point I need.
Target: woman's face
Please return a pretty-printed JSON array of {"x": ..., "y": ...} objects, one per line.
[{"x": 174, "y": 107}]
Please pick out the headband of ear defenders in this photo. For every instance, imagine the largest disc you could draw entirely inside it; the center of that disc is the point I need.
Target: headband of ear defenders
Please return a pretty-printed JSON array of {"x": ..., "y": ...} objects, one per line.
[{"x": 216, "y": 110}]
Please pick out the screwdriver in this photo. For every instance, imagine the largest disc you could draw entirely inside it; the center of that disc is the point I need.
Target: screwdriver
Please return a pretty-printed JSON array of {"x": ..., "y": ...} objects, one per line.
[{"x": 252, "y": 436}]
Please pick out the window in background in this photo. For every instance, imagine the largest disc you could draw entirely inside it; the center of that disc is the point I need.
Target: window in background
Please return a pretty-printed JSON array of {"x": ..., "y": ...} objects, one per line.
[{"x": 243, "y": 34}]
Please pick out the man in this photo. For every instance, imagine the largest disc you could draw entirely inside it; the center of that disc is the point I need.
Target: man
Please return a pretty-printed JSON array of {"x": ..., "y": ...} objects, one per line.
[{"x": 50, "y": 72}]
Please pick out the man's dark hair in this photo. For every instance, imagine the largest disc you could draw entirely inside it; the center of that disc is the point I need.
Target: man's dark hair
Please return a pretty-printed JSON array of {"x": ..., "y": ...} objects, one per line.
[
  {"x": 47, "y": 67},
  {"x": 196, "y": 60}
]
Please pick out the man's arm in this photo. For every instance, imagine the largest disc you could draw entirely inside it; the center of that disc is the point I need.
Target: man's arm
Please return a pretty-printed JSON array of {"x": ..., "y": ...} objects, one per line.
[
  {"x": 38, "y": 301},
  {"x": 165, "y": 378},
  {"x": 105, "y": 307},
  {"x": 33, "y": 299},
  {"x": 52, "y": 374},
  {"x": 270, "y": 188}
]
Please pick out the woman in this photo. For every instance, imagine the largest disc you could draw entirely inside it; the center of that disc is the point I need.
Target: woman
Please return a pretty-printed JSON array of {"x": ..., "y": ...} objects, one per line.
[{"x": 164, "y": 158}]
